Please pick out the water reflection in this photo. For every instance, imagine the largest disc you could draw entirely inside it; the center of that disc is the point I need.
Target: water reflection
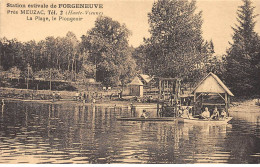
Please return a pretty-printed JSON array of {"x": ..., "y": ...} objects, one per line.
[{"x": 52, "y": 133}]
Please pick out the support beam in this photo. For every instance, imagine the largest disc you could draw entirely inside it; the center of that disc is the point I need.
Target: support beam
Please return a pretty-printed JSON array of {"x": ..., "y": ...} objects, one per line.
[
  {"x": 160, "y": 89},
  {"x": 221, "y": 96},
  {"x": 194, "y": 104},
  {"x": 199, "y": 95},
  {"x": 226, "y": 103},
  {"x": 172, "y": 87}
]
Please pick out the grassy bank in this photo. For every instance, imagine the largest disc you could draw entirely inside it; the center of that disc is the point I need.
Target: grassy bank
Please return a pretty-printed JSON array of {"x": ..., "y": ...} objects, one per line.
[
  {"x": 237, "y": 100},
  {"x": 28, "y": 94}
]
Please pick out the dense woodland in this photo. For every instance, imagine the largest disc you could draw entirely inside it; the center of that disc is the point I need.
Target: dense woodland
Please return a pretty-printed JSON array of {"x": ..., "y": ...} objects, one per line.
[{"x": 176, "y": 48}]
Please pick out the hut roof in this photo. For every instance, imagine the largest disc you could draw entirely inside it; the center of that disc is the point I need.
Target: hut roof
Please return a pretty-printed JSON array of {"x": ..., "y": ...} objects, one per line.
[
  {"x": 136, "y": 81},
  {"x": 146, "y": 78},
  {"x": 212, "y": 84}
]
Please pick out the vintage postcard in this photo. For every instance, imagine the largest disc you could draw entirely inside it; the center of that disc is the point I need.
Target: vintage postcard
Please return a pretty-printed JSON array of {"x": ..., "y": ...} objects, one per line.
[{"x": 129, "y": 82}]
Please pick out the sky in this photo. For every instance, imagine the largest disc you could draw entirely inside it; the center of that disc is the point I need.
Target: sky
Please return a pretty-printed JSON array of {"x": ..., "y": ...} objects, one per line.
[{"x": 218, "y": 16}]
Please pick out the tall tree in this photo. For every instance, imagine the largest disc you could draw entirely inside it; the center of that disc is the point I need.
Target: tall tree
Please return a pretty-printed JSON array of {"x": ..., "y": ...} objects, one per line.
[
  {"x": 176, "y": 47},
  {"x": 256, "y": 61},
  {"x": 108, "y": 49},
  {"x": 10, "y": 50},
  {"x": 243, "y": 55},
  {"x": 142, "y": 60}
]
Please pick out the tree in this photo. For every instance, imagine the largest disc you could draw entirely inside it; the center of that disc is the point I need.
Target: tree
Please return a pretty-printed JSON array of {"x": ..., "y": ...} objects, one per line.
[
  {"x": 176, "y": 47},
  {"x": 142, "y": 60},
  {"x": 256, "y": 61},
  {"x": 216, "y": 65},
  {"x": 15, "y": 72},
  {"x": 243, "y": 54},
  {"x": 108, "y": 49},
  {"x": 29, "y": 49},
  {"x": 10, "y": 51}
]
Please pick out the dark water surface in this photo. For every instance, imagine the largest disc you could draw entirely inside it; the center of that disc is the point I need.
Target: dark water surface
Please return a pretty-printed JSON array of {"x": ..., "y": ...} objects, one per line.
[{"x": 69, "y": 133}]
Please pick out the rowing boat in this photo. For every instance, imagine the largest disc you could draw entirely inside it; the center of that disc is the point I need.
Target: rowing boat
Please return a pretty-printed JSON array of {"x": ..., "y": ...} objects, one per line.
[
  {"x": 206, "y": 121},
  {"x": 146, "y": 119}
]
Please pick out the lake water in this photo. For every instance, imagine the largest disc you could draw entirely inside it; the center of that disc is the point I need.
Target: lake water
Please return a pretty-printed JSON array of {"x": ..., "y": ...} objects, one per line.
[{"x": 70, "y": 133}]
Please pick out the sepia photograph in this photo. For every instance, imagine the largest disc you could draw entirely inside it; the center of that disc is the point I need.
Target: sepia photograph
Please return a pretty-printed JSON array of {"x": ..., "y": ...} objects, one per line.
[{"x": 129, "y": 82}]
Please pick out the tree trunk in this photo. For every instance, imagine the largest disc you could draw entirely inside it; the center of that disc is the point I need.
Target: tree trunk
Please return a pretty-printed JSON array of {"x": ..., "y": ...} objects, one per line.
[
  {"x": 68, "y": 63},
  {"x": 75, "y": 70}
]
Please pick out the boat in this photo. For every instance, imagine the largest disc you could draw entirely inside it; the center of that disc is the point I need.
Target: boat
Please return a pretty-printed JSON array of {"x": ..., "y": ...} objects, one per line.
[
  {"x": 146, "y": 119},
  {"x": 207, "y": 121}
]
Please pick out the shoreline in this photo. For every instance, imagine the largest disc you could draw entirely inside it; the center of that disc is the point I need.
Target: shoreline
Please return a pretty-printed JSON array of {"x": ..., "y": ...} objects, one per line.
[
  {"x": 243, "y": 105},
  {"x": 70, "y": 101},
  {"x": 235, "y": 104}
]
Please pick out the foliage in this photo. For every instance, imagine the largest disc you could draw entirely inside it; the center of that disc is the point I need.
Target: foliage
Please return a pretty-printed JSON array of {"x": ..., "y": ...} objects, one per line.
[
  {"x": 59, "y": 54},
  {"x": 15, "y": 72},
  {"x": 243, "y": 55},
  {"x": 89, "y": 70},
  {"x": 107, "y": 48},
  {"x": 176, "y": 47},
  {"x": 143, "y": 63},
  {"x": 216, "y": 65},
  {"x": 53, "y": 74}
]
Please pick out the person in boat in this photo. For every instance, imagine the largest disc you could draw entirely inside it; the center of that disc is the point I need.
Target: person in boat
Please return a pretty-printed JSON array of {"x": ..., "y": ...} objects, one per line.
[
  {"x": 223, "y": 114},
  {"x": 215, "y": 114},
  {"x": 205, "y": 114},
  {"x": 144, "y": 114}
]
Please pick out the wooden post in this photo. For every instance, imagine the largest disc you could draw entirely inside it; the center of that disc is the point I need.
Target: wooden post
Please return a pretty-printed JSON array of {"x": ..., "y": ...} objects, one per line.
[
  {"x": 163, "y": 89},
  {"x": 158, "y": 108},
  {"x": 194, "y": 104},
  {"x": 50, "y": 79},
  {"x": 160, "y": 88},
  {"x": 226, "y": 103},
  {"x": 167, "y": 85},
  {"x": 201, "y": 106},
  {"x": 172, "y": 87}
]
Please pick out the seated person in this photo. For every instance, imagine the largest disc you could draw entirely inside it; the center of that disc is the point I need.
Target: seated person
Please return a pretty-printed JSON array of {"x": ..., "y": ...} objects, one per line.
[
  {"x": 205, "y": 114},
  {"x": 223, "y": 114},
  {"x": 179, "y": 110},
  {"x": 144, "y": 115},
  {"x": 215, "y": 114},
  {"x": 190, "y": 112},
  {"x": 185, "y": 113}
]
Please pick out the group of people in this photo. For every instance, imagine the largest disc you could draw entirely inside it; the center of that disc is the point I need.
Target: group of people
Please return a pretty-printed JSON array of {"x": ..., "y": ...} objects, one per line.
[
  {"x": 215, "y": 114},
  {"x": 87, "y": 97},
  {"x": 56, "y": 95},
  {"x": 185, "y": 111}
]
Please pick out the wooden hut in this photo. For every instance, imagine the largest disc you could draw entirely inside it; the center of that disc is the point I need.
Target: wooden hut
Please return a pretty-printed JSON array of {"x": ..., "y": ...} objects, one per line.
[
  {"x": 211, "y": 85},
  {"x": 136, "y": 87},
  {"x": 146, "y": 79}
]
